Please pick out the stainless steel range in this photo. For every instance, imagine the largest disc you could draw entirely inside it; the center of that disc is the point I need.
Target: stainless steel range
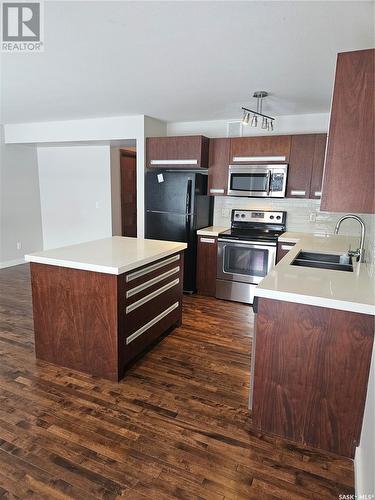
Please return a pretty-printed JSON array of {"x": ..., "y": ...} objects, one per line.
[{"x": 247, "y": 252}]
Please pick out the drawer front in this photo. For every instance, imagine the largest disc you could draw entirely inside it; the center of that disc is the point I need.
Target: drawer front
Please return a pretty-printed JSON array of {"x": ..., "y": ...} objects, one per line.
[{"x": 150, "y": 302}]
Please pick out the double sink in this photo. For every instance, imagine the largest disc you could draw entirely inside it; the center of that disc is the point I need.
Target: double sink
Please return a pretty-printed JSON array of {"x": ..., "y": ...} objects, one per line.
[{"x": 323, "y": 261}]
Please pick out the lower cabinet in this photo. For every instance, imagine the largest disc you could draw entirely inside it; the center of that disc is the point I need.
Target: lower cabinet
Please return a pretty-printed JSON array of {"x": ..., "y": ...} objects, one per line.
[
  {"x": 206, "y": 265},
  {"x": 283, "y": 248},
  {"x": 310, "y": 374}
]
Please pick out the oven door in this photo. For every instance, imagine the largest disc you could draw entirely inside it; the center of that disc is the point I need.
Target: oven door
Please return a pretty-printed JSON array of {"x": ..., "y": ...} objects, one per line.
[{"x": 247, "y": 262}]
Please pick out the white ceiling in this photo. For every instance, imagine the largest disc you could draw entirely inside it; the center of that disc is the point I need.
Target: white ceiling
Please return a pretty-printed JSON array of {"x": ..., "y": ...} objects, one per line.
[{"x": 182, "y": 61}]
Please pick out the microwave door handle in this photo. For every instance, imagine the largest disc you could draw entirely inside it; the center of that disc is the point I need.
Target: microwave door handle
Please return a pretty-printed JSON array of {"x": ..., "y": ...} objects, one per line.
[{"x": 269, "y": 175}]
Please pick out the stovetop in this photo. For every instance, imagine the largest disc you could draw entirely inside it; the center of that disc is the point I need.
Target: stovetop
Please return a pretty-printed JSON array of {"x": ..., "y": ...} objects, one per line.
[
  {"x": 251, "y": 235},
  {"x": 256, "y": 225}
]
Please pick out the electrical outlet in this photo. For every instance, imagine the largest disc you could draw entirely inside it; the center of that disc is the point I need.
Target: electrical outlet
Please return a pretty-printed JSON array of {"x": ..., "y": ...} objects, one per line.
[
  {"x": 97, "y": 204},
  {"x": 19, "y": 245},
  {"x": 225, "y": 212},
  {"x": 312, "y": 216}
]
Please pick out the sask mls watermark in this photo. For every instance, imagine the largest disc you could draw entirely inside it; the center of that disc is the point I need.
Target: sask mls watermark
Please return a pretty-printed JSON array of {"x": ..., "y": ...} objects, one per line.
[{"x": 22, "y": 26}]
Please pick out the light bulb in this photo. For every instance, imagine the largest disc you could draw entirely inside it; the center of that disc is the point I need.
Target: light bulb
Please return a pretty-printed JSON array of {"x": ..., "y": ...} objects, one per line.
[{"x": 254, "y": 121}]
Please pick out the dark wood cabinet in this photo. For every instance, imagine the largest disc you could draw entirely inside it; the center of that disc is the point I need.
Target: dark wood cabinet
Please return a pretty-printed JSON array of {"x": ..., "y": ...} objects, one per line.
[
  {"x": 283, "y": 247},
  {"x": 177, "y": 152},
  {"x": 306, "y": 166},
  {"x": 218, "y": 166},
  {"x": 348, "y": 184},
  {"x": 264, "y": 149},
  {"x": 310, "y": 374},
  {"x": 206, "y": 265},
  {"x": 318, "y": 166},
  {"x": 112, "y": 318}
]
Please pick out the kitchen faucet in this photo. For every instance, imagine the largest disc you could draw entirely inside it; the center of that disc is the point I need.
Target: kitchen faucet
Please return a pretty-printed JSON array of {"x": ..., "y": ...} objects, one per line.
[{"x": 359, "y": 252}]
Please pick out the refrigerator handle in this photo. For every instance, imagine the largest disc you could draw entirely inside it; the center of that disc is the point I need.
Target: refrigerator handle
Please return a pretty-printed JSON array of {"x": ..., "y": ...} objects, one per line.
[{"x": 188, "y": 196}]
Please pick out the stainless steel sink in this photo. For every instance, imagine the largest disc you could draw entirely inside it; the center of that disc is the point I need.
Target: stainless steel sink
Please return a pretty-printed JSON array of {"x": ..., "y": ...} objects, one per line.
[{"x": 323, "y": 261}]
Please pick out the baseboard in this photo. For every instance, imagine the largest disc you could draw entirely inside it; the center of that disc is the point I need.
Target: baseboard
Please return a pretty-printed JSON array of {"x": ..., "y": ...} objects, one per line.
[{"x": 11, "y": 263}]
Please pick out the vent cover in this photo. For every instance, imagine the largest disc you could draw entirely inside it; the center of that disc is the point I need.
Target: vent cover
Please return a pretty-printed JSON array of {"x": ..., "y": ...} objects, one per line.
[{"x": 234, "y": 129}]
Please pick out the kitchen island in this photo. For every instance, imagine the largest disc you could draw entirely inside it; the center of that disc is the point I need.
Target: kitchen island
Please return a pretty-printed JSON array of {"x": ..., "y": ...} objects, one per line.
[
  {"x": 312, "y": 348},
  {"x": 98, "y": 305}
]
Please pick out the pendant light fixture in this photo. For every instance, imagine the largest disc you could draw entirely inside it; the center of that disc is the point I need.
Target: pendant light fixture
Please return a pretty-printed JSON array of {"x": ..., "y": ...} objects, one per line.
[{"x": 266, "y": 121}]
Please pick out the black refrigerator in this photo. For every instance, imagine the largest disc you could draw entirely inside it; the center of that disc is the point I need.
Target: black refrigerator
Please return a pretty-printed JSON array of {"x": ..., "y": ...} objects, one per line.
[{"x": 176, "y": 206}]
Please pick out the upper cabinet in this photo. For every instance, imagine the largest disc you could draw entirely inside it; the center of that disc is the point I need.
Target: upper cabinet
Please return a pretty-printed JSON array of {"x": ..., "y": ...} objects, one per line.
[
  {"x": 348, "y": 184},
  {"x": 177, "y": 152},
  {"x": 218, "y": 166},
  {"x": 306, "y": 166},
  {"x": 265, "y": 149}
]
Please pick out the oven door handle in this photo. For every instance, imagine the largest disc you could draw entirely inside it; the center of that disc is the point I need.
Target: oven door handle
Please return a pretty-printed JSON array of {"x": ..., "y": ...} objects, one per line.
[{"x": 248, "y": 243}]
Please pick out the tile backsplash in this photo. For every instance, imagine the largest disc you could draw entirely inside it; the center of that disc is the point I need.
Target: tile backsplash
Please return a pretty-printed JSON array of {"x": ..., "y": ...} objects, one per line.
[{"x": 302, "y": 216}]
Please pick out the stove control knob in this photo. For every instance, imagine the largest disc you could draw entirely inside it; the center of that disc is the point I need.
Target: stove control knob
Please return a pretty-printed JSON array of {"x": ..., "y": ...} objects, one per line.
[
  {"x": 242, "y": 215},
  {"x": 237, "y": 215},
  {"x": 278, "y": 217},
  {"x": 272, "y": 217}
]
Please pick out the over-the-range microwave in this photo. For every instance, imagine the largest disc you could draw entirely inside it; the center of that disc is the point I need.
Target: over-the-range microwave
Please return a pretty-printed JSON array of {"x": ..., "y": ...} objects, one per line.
[{"x": 258, "y": 180}]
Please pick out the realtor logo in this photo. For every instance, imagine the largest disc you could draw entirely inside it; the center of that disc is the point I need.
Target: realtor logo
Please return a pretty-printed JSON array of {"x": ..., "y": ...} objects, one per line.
[{"x": 22, "y": 26}]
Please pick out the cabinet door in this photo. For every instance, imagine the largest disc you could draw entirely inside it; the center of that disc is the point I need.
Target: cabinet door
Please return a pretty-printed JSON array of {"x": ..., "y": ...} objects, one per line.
[
  {"x": 206, "y": 265},
  {"x": 318, "y": 166},
  {"x": 348, "y": 184},
  {"x": 218, "y": 166},
  {"x": 181, "y": 152},
  {"x": 300, "y": 165},
  {"x": 282, "y": 249},
  {"x": 266, "y": 149}
]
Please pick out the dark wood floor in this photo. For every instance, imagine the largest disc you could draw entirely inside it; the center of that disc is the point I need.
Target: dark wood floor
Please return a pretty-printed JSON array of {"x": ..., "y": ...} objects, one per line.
[{"x": 177, "y": 426}]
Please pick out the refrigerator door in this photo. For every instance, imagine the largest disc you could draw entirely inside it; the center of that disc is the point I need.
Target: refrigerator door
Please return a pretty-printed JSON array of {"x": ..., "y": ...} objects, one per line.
[
  {"x": 172, "y": 192},
  {"x": 176, "y": 227}
]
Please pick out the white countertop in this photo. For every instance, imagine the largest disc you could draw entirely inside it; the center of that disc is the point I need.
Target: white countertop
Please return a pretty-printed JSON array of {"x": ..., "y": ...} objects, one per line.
[
  {"x": 348, "y": 291},
  {"x": 114, "y": 255},
  {"x": 211, "y": 231}
]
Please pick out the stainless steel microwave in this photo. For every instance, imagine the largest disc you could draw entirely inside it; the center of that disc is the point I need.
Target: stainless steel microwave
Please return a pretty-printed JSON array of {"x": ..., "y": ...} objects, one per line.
[{"x": 258, "y": 181}]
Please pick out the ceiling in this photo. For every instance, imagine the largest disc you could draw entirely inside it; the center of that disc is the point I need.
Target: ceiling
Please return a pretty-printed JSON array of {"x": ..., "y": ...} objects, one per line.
[{"x": 182, "y": 61}]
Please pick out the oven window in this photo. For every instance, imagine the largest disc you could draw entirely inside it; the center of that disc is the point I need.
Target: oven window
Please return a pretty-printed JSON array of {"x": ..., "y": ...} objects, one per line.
[
  {"x": 249, "y": 182},
  {"x": 245, "y": 260}
]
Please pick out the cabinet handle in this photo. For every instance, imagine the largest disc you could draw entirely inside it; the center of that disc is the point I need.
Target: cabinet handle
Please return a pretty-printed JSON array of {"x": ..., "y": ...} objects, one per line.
[
  {"x": 151, "y": 323},
  {"x": 153, "y": 267},
  {"x": 151, "y": 296},
  {"x": 207, "y": 240},
  {"x": 286, "y": 247},
  {"x": 216, "y": 191},
  {"x": 297, "y": 193},
  {"x": 153, "y": 281},
  {"x": 259, "y": 158},
  {"x": 174, "y": 162},
  {"x": 318, "y": 193}
]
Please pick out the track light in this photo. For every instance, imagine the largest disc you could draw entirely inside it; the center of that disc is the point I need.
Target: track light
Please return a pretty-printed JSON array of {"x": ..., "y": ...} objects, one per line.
[{"x": 267, "y": 121}]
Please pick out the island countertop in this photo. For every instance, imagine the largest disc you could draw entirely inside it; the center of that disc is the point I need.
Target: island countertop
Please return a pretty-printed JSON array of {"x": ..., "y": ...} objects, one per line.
[
  {"x": 348, "y": 291},
  {"x": 115, "y": 255}
]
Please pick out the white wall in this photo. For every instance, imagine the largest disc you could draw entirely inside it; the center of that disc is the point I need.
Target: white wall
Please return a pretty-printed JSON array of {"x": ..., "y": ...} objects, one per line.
[
  {"x": 20, "y": 214},
  {"x": 287, "y": 124},
  {"x": 364, "y": 462},
  {"x": 75, "y": 193}
]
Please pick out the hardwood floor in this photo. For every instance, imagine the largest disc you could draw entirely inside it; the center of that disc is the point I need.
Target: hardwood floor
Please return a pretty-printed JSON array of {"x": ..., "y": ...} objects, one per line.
[{"x": 177, "y": 426}]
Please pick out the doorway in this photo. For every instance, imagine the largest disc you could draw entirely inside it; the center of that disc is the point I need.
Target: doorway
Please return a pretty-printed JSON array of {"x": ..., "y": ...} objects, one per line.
[{"x": 128, "y": 172}]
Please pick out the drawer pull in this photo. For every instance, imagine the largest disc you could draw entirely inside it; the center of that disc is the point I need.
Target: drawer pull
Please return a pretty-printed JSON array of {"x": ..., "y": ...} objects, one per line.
[
  {"x": 259, "y": 158},
  {"x": 151, "y": 323},
  {"x": 295, "y": 192},
  {"x": 216, "y": 191},
  {"x": 286, "y": 247},
  {"x": 153, "y": 281},
  {"x": 153, "y": 267},
  {"x": 207, "y": 240},
  {"x": 174, "y": 162},
  {"x": 151, "y": 296},
  {"x": 318, "y": 193}
]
